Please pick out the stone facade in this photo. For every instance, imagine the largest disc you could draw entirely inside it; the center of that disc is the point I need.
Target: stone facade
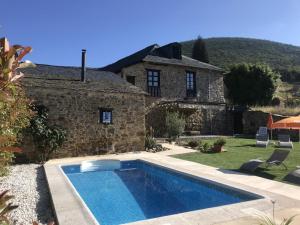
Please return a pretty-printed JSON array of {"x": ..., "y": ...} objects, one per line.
[
  {"x": 200, "y": 119},
  {"x": 205, "y": 114},
  {"x": 209, "y": 83},
  {"x": 73, "y": 105},
  {"x": 252, "y": 120}
]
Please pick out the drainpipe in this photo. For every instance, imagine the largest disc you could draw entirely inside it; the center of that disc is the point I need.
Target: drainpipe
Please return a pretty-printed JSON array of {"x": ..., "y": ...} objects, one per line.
[
  {"x": 83, "y": 68},
  {"x": 210, "y": 117}
]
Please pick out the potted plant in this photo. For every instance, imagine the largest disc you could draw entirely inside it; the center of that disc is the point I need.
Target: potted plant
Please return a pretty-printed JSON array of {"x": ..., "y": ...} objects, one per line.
[{"x": 219, "y": 144}]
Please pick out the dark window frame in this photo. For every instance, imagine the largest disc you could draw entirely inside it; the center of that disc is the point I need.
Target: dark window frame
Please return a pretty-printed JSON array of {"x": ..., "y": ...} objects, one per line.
[
  {"x": 154, "y": 81},
  {"x": 101, "y": 111},
  {"x": 190, "y": 82}
]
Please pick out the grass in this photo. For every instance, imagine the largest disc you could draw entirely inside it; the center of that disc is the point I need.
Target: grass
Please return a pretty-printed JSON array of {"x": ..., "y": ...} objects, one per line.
[
  {"x": 240, "y": 150},
  {"x": 281, "y": 110}
]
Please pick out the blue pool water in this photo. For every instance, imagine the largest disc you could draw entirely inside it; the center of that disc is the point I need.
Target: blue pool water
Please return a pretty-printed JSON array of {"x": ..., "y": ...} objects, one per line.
[{"x": 129, "y": 191}]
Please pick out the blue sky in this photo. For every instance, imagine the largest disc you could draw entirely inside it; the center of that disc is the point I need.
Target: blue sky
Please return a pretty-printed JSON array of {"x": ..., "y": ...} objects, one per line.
[{"x": 110, "y": 29}]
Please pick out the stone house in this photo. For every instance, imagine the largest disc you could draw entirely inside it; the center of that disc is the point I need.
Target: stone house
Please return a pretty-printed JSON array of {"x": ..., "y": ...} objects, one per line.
[
  {"x": 176, "y": 82},
  {"x": 99, "y": 111}
]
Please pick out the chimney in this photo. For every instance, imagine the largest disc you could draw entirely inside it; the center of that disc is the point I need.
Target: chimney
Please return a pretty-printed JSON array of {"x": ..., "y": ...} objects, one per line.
[{"x": 83, "y": 69}]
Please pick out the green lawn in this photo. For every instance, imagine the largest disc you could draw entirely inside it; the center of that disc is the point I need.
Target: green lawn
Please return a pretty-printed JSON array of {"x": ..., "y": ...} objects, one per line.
[{"x": 240, "y": 150}]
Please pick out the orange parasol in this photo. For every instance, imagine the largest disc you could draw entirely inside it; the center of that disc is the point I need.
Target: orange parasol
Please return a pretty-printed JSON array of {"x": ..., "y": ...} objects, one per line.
[
  {"x": 287, "y": 123},
  {"x": 270, "y": 121}
]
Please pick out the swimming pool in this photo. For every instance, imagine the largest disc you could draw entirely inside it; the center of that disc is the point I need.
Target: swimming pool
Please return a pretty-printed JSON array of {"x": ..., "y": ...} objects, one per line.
[{"x": 118, "y": 192}]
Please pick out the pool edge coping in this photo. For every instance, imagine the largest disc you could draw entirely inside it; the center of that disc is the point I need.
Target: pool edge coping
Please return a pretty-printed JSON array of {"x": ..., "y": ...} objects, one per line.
[{"x": 88, "y": 218}]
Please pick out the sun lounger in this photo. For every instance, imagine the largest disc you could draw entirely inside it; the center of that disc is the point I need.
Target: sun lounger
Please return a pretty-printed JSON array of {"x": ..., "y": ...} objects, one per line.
[
  {"x": 262, "y": 131},
  {"x": 284, "y": 141},
  {"x": 262, "y": 137},
  {"x": 293, "y": 177},
  {"x": 276, "y": 159}
]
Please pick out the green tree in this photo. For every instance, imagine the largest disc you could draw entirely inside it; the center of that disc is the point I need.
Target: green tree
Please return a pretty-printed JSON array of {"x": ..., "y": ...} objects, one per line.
[
  {"x": 199, "y": 51},
  {"x": 174, "y": 124},
  {"x": 251, "y": 84}
]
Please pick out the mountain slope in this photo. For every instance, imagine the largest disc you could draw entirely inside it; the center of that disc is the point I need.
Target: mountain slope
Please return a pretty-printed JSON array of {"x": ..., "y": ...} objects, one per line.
[{"x": 225, "y": 51}]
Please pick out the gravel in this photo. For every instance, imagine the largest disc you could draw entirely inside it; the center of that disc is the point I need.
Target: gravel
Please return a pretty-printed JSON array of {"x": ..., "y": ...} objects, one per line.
[{"x": 29, "y": 186}]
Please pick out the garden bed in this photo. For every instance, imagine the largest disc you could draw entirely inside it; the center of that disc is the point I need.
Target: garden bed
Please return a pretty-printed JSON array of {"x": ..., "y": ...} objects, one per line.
[{"x": 29, "y": 186}]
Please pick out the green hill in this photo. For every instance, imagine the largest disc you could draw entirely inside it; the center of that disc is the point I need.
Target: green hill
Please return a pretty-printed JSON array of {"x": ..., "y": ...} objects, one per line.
[{"x": 225, "y": 51}]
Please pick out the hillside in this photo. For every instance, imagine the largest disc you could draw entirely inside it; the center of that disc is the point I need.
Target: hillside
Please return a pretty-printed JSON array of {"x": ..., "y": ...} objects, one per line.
[
  {"x": 225, "y": 51},
  {"x": 282, "y": 57}
]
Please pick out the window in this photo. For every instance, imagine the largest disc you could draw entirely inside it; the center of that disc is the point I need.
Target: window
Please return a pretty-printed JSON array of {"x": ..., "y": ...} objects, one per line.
[
  {"x": 153, "y": 78},
  {"x": 131, "y": 79},
  {"x": 105, "y": 116},
  {"x": 190, "y": 84},
  {"x": 153, "y": 82}
]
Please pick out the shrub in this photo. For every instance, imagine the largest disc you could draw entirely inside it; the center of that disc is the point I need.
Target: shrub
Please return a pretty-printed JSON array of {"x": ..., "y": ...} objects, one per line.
[
  {"x": 193, "y": 144},
  {"x": 152, "y": 146},
  {"x": 150, "y": 142},
  {"x": 15, "y": 110},
  {"x": 220, "y": 142},
  {"x": 174, "y": 124},
  {"x": 5, "y": 159},
  {"x": 47, "y": 139},
  {"x": 204, "y": 148}
]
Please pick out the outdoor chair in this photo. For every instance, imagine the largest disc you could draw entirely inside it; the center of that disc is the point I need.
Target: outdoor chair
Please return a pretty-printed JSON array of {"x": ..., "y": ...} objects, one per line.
[
  {"x": 262, "y": 137},
  {"x": 294, "y": 176},
  {"x": 262, "y": 131},
  {"x": 284, "y": 141},
  {"x": 276, "y": 159}
]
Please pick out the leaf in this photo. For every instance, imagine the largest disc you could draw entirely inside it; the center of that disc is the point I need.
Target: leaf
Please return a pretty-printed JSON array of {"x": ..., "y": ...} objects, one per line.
[
  {"x": 16, "y": 77},
  {"x": 23, "y": 52}
]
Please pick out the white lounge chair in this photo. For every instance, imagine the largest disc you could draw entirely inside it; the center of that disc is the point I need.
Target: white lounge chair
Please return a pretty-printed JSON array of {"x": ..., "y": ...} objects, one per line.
[
  {"x": 262, "y": 137},
  {"x": 284, "y": 141}
]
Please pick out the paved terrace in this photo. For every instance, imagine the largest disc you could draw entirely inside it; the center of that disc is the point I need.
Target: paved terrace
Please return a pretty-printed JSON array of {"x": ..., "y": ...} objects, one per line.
[{"x": 70, "y": 210}]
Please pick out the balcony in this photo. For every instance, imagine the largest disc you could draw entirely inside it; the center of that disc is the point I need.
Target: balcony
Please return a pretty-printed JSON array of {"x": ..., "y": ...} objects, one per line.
[
  {"x": 154, "y": 91},
  {"x": 191, "y": 93}
]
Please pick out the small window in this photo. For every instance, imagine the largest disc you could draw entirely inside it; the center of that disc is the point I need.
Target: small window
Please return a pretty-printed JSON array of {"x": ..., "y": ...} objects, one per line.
[
  {"x": 190, "y": 84},
  {"x": 131, "y": 79},
  {"x": 105, "y": 116},
  {"x": 153, "y": 78}
]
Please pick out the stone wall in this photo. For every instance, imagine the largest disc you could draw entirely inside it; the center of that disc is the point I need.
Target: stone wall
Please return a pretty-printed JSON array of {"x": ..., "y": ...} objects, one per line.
[
  {"x": 252, "y": 120},
  {"x": 209, "y": 84},
  {"x": 73, "y": 105},
  {"x": 200, "y": 119}
]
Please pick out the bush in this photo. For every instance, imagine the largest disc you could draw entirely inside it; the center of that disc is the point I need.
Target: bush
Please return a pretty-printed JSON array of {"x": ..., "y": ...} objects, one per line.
[
  {"x": 204, "y": 148},
  {"x": 150, "y": 142},
  {"x": 152, "y": 146},
  {"x": 15, "y": 114},
  {"x": 47, "y": 139},
  {"x": 193, "y": 144},
  {"x": 6, "y": 159},
  {"x": 220, "y": 142},
  {"x": 174, "y": 124}
]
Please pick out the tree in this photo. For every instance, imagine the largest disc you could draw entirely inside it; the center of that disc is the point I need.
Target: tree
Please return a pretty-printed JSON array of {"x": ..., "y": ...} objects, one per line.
[
  {"x": 199, "y": 51},
  {"x": 174, "y": 124},
  {"x": 251, "y": 84}
]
